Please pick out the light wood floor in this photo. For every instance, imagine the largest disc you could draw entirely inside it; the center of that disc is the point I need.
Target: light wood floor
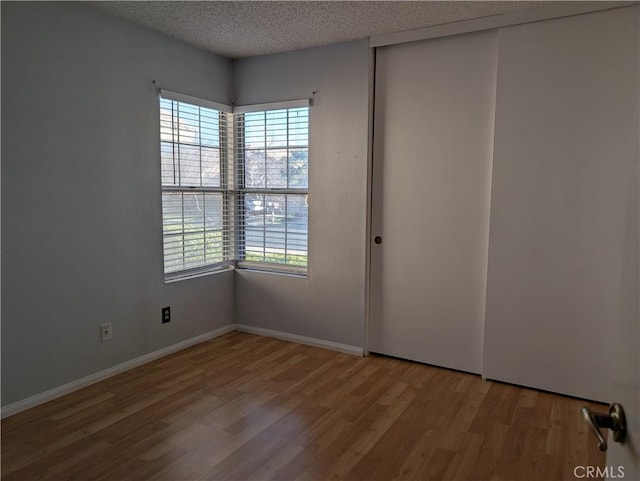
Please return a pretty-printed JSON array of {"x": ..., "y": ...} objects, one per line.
[{"x": 243, "y": 407}]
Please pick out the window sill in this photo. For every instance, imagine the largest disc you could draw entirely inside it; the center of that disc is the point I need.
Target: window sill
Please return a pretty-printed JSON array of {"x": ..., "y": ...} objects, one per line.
[
  {"x": 171, "y": 279},
  {"x": 290, "y": 271}
]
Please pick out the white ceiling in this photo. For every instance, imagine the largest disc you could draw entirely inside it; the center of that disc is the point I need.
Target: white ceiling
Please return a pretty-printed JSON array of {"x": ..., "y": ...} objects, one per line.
[{"x": 246, "y": 28}]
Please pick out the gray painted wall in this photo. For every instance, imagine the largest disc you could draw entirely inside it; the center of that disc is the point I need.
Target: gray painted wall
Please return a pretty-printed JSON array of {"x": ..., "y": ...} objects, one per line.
[
  {"x": 81, "y": 218},
  {"x": 329, "y": 303}
]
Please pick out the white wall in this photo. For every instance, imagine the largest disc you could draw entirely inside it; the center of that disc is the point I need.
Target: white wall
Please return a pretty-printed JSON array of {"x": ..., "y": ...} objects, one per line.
[
  {"x": 329, "y": 304},
  {"x": 81, "y": 218}
]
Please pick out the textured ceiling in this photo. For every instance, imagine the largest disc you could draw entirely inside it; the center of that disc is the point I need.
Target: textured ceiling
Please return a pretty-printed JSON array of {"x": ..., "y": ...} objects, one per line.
[{"x": 242, "y": 29}]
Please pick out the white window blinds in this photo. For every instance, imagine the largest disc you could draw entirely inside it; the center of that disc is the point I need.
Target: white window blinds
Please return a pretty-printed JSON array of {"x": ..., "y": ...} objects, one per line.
[
  {"x": 197, "y": 223},
  {"x": 234, "y": 185},
  {"x": 272, "y": 158}
]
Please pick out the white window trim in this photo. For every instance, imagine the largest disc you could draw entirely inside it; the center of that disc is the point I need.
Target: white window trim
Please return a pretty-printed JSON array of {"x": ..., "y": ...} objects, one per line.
[
  {"x": 289, "y": 104},
  {"x": 273, "y": 268},
  {"x": 210, "y": 104}
]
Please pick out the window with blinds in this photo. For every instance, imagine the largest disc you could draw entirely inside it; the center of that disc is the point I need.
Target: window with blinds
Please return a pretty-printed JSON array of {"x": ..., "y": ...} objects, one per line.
[
  {"x": 234, "y": 185},
  {"x": 272, "y": 163},
  {"x": 197, "y": 221}
]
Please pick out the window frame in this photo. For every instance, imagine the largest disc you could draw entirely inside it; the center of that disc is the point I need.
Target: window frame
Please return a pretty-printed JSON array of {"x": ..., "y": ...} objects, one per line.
[
  {"x": 241, "y": 189},
  {"x": 225, "y": 188},
  {"x": 231, "y": 187}
]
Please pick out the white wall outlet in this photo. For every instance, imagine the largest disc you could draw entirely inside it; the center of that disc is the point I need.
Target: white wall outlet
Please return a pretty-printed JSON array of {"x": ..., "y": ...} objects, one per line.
[{"x": 105, "y": 332}]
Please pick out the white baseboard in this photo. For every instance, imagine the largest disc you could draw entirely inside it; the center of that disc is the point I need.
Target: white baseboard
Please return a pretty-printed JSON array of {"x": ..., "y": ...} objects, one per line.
[
  {"x": 310, "y": 341},
  {"x": 106, "y": 373}
]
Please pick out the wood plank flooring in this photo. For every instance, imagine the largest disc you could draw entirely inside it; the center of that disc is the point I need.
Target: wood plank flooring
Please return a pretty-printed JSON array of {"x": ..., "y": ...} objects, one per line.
[{"x": 244, "y": 407}]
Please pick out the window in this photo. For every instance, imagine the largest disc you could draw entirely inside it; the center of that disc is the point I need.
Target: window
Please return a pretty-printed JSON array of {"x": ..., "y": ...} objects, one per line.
[
  {"x": 272, "y": 154},
  {"x": 196, "y": 227},
  {"x": 233, "y": 199}
]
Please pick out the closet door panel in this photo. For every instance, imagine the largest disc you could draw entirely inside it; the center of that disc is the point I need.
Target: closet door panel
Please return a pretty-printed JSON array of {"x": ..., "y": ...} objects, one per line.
[
  {"x": 565, "y": 153},
  {"x": 433, "y": 135}
]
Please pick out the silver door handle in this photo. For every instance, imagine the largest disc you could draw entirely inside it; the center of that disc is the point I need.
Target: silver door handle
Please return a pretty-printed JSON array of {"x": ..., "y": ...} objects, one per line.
[{"x": 615, "y": 420}]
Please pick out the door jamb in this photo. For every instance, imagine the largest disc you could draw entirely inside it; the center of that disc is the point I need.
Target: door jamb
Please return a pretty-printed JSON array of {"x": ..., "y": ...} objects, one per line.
[{"x": 370, "y": 133}]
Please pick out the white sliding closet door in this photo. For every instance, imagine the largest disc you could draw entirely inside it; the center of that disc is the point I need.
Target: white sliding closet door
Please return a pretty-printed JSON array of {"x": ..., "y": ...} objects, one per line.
[
  {"x": 564, "y": 174},
  {"x": 433, "y": 133}
]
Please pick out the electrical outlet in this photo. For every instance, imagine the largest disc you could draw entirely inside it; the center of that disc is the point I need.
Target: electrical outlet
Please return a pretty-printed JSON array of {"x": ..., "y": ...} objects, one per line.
[
  {"x": 105, "y": 332},
  {"x": 166, "y": 315}
]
